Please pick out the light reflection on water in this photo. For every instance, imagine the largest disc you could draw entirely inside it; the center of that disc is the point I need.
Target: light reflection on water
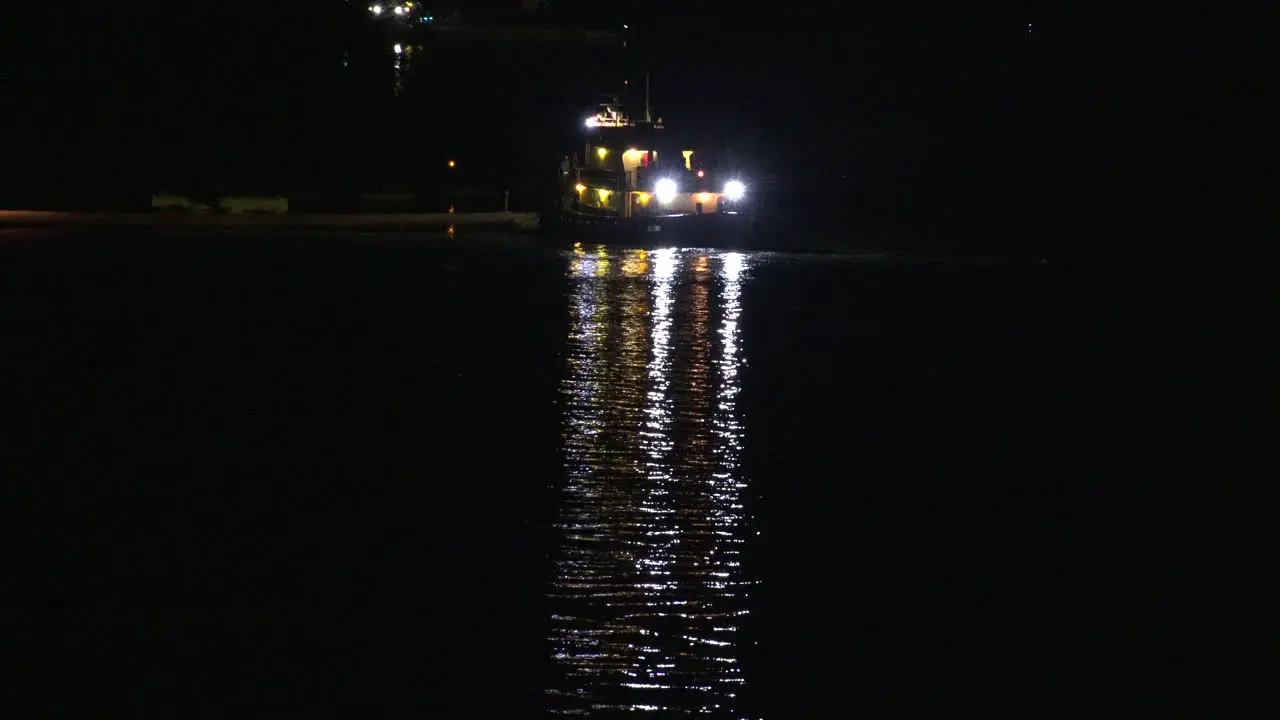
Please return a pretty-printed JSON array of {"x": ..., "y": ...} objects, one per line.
[{"x": 649, "y": 594}]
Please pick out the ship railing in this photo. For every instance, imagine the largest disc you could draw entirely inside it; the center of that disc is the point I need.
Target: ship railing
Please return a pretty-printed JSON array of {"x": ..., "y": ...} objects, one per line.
[{"x": 600, "y": 178}]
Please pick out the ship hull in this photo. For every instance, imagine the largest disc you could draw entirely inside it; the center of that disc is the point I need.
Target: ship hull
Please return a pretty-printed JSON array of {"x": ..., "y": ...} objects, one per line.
[{"x": 718, "y": 231}]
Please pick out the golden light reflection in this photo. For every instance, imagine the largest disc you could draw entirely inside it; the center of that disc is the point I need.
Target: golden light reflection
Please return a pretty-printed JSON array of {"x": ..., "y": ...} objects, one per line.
[
  {"x": 649, "y": 592},
  {"x": 635, "y": 262}
]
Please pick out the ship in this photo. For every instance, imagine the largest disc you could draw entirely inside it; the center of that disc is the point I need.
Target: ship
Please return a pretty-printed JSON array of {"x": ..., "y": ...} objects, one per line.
[{"x": 634, "y": 181}]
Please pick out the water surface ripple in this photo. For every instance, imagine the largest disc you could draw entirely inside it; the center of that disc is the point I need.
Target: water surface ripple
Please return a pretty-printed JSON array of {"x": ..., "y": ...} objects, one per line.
[{"x": 649, "y": 594}]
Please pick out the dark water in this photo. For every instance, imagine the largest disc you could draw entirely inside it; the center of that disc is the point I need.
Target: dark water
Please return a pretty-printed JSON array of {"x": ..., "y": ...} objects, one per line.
[{"x": 270, "y": 477}]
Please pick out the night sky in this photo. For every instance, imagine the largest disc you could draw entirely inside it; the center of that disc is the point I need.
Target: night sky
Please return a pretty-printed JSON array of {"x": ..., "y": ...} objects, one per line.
[{"x": 905, "y": 97}]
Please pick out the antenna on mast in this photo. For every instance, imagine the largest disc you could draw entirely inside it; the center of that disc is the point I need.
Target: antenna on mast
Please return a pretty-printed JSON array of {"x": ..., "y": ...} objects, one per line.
[{"x": 647, "y": 119}]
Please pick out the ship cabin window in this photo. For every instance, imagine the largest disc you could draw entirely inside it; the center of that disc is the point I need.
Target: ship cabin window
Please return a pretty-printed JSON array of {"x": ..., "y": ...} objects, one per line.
[
  {"x": 603, "y": 157},
  {"x": 598, "y": 198},
  {"x": 635, "y": 158},
  {"x": 688, "y": 159}
]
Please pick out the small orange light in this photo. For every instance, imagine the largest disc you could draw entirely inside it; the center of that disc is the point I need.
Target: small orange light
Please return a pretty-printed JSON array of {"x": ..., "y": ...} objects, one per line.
[
  {"x": 452, "y": 164},
  {"x": 702, "y": 173},
  {"x": 579, "y": 187}
]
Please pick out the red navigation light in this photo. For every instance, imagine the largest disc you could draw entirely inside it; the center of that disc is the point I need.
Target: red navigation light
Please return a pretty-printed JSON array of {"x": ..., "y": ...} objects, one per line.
[{"x": 702, "y": 173}]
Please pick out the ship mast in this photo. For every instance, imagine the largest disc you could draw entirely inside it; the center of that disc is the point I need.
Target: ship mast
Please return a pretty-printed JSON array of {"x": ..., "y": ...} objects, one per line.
[{"x": 647, "y": 119}]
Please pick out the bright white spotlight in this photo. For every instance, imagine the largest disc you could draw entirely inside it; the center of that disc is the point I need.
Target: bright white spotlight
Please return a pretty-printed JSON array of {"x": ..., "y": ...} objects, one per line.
[
  {"x": 665, "y": 190},
  {"x": 398, "y": 48},
  {"x": 734, "y": 190},
  {"x": 377, "y": 9}
]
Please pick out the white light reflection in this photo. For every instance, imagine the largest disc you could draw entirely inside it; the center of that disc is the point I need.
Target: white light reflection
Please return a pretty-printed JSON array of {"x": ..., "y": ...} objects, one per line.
[{"x": 649, "y": 595}]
